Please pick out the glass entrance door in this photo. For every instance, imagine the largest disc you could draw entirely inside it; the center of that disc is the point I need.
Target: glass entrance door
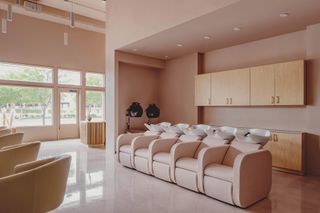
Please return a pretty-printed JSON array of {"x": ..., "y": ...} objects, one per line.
[{"x": 68, "y": 113}]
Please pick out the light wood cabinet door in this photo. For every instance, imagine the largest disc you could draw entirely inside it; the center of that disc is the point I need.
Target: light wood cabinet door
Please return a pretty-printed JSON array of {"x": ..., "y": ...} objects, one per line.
[
  {"x": 220, "y": 88},
  {"x": 239, "y": 92},
  {"x": 289, "y": 83},
  {"x": 202, "y": 90},
  {"x": 287, "y": 151},
  {"x": 262, "y": 90}
]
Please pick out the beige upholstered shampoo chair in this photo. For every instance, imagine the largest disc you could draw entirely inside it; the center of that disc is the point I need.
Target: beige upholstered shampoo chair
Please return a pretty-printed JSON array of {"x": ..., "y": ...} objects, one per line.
[
  {"x": 11, "y": 139},
  {"x": 124, "y": 142},
  {"x": 239, "y": 174},
  {"x": 36, "y": 187},
  {"x": 161, "y": 158},
  {"x": 186, "y": 157},
  {"x": 18, "y": 154}
]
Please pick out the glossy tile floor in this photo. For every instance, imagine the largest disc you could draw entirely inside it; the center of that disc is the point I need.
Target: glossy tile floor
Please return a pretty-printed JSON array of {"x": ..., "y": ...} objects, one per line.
[{"x": 97, "y": 183}]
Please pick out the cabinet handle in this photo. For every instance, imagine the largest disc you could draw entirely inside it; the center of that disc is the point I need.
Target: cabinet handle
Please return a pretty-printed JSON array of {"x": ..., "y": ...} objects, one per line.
[
  {"x": 272, "y": 100},
  {"x": 230, "y": 100},
  {"x": 227, "y": 99},
  {"x": 209, "y": 100},
  {"x": 275, "y": 138},
  {"x": 278, "y": 99}
]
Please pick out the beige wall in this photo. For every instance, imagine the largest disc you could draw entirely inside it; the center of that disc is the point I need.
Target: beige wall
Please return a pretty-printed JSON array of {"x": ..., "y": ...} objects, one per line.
[
  {"x": 177, "y": 90},
  {"x": 136, "y": 84},
  {"x": 128, "y": 21},
  {"x": 34, "y": 41},
  {"x": 38, "y": 42},
  {"x": 299, "y": 45}
]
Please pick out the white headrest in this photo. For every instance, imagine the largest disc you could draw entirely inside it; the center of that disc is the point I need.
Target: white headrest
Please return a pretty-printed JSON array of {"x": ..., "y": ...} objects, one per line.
[
  {"x": 176, "y": 129},
  {"x": 151, "y": 133},
  {"x": 254, "y": 136},
  {"x": 204, "y": 127},
  {"x": 194, "y": 132},
  {"x": 189, "y": 138},
  {"x": 157, "y": 127},
  {"x": 166, "y": 135},
  {"x": 165, "y": 124},
  {"x": 224, "y": 133}
]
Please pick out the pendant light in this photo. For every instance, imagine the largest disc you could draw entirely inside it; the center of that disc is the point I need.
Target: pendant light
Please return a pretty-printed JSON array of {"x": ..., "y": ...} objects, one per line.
[
  {"x": 9, "y": 13},
  {"x": 4, "y": 23}
]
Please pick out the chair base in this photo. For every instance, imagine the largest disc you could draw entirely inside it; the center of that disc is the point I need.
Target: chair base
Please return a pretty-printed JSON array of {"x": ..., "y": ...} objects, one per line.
[
  {"x": 162, "y": 171},
  {"x": 186, "y": 179}
]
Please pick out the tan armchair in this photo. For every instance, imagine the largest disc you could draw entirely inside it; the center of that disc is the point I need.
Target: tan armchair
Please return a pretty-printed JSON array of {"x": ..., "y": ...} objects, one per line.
[
  {"x": 160, "y": 155},
  {"x": 239, "y": 174},
  {"x": 5, "y": 131},
  {"x": 35, "y": 187},
  {"x": 17, "y": 154},
  {"x": 11, "y": 139}
]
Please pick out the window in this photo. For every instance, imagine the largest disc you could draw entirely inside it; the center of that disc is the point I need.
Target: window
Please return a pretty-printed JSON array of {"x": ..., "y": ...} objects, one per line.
[
  {"x": 94, "y": 79},
  {"x": 95, "y": 105},
  {"x": 15, "y": 72},
  {"x": 69, "y": 77},
  {"x": 25, "y": 106},
  {"x": 68, "y": 107}
]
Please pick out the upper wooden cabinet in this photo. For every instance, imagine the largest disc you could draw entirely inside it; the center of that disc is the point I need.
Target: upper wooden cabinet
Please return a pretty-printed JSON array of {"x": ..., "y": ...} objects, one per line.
[
  {"x": 230, "y": 88},
  {"x": 202, "y": 90},
  {"x": 278, "y": 84}
]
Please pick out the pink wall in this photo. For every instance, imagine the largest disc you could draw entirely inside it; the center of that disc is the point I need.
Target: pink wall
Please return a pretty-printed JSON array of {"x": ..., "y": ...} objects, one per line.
[
  {"x": 34, "y": 41},
  {"x": 139, "y": 84},
  {"x": 177, "y": 90},
  {"x": 299, "y": 45}
]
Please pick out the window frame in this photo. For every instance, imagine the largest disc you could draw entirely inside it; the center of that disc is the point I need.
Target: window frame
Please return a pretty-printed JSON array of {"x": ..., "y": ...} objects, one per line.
[{"x": 96, "y": 87}]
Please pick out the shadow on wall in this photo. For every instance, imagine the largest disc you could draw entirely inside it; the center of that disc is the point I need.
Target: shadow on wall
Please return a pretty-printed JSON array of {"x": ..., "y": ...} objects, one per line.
[{"x": 313, "y": 154}]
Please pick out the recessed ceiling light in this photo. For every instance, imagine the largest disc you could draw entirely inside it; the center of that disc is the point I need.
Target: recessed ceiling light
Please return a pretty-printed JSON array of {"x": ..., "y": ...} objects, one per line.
[
  {"x": 207, "y": 37},
  {"x": 134, "y": 50},
  {"x": 237, "y": 28},
  {"x": 180, "y": 45},
  {"x": 284, "y": 15}
]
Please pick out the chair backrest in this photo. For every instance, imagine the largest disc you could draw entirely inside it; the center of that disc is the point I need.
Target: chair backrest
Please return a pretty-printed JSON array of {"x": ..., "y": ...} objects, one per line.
[
  {"x": 243, "y": 143},
  {"x": 151, "y": 133},
  {"x": 18, "y": 154},
  {"x": 49, "y": 181},
  {"x": 12, "y": 139},
  {"x": 167, "y": 135},
  {"x": 216, "y": 137},
  {"x": 4, "y": 132}
]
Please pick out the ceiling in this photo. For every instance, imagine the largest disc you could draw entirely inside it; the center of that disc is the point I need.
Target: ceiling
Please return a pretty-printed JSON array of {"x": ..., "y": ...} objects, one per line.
[
  {"x": 257, "y": 19},
  {"x": 90, "y": 8}
]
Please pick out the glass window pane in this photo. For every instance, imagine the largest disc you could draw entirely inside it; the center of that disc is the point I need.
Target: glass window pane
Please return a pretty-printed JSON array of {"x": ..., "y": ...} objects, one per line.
[
  {"x": 25, "y": 106},
  {"x": 95, "y": 105},
  {"x": 69, "y": 77},
  {"x": 68, "y": 108},
  {"x": 94, "y": 79},
  {"x": 16, "y": 72}
]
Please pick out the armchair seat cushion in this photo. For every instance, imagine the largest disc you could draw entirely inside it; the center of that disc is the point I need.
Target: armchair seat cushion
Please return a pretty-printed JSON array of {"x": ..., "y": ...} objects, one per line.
[
  {"x": 126, "y": 149},
  {"x": 190, "y": 164},
  {"x": 162, "y": 157},
  {"x": 219, "y": 171},
  {"x": 143, "y": 152}
]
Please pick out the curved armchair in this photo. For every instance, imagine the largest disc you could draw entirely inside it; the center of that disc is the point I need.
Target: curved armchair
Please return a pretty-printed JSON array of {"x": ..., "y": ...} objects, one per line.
[
  {"x": 140, "y": 150},
  {"x": 239, "y": 174},
  {"x": 160, "y": 155},
  {"x": 12, "y": 139},
  {"x": 35, "y": 187},
  {"x": 186, "y": 160},
  {"x": 17, "y": 154},
  {"x": 4, "y": 132}
]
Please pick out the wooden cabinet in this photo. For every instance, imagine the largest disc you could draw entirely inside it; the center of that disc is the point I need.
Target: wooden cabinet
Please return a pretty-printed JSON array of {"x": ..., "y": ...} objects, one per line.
[
  {"x": 93, "y": 133},
  {"x": 230, "y": 88},
  {"x": 287, "y": 151},
  {"x": 278, "y": 84},
  {"x": 289, "y": 83},
  {"x": 203, "y": 90},
  {"x": 262, "y": 85}
]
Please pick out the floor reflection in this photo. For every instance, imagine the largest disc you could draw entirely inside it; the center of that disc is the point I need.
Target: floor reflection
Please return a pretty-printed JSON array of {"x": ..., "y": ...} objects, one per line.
[{"x": 97, "y": 183}]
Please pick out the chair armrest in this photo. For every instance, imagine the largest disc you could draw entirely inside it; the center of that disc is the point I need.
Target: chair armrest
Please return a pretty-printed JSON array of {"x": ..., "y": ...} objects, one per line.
[
  {"x": 252, "y": 177},
  {"x": 162, "y": 145},
  {"x": 142, "y": 142},
  {"x": 18, "y": 145},
  {"x": 180, "y": 150},
  {"x": 208, "y": 156},
  {"x": 126, "y": 139}
]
